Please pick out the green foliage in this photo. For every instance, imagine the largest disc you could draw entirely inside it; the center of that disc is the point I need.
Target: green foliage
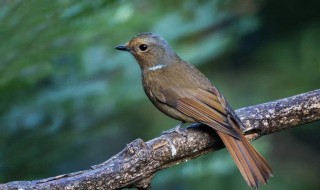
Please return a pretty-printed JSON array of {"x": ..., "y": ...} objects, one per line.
[{"x": 68, "y": 100}]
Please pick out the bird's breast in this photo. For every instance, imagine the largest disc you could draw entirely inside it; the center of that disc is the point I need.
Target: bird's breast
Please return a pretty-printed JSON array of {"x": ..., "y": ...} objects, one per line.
[{"x": 156, "y": 88}]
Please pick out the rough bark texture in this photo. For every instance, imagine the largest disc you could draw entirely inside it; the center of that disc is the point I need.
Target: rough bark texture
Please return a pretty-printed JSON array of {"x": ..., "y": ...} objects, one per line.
[{"x": 137, "y": 163}]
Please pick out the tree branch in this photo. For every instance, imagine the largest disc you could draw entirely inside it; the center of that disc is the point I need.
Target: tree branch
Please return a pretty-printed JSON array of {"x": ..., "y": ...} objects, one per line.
[{"x": 137, "y": 163}]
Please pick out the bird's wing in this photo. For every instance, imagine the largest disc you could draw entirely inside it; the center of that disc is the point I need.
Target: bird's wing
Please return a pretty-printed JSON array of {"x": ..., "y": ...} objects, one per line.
[{"x": 201, "y": 105}]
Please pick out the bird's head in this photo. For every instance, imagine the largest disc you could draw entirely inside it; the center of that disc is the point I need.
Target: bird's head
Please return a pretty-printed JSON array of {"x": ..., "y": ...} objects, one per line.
[{"x": 149, "y": 49}]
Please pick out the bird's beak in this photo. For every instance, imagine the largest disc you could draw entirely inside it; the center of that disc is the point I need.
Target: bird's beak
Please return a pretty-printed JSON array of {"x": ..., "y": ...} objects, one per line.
[{"x": 122, "y": 48}]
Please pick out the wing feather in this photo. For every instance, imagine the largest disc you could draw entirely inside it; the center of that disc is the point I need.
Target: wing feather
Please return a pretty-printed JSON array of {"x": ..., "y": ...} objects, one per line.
[{"x": 200, "y": 110}]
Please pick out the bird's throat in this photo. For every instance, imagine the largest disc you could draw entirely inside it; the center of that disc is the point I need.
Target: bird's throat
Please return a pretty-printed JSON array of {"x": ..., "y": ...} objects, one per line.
[{"x": 156, "y": 67}]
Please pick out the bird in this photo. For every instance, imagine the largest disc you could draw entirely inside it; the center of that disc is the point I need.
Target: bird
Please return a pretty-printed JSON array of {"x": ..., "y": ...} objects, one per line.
[{"x": 181, "y": 91}]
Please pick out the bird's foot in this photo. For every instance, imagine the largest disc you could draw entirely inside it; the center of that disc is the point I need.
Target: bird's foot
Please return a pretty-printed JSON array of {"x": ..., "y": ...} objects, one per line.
[
  {"x": 193, "y": 126},
  {"x": 178, "y": 129}
]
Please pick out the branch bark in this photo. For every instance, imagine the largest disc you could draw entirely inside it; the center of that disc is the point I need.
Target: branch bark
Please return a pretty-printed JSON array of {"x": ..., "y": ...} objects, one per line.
[{"x": 138, "y": 162}]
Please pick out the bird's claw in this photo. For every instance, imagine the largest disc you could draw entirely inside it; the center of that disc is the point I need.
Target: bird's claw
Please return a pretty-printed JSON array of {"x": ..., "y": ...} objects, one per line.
[
  {"x": 193, "y": 126},
  {"x": 178, "y": 129}
]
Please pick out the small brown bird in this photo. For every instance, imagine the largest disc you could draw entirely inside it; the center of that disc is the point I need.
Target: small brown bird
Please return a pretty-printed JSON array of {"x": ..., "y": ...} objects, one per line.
[{"x": 182, "y": 92}]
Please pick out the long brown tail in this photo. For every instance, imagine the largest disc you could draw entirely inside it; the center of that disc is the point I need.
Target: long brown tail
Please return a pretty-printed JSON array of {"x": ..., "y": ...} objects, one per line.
[{"x": 253, "y": 167}]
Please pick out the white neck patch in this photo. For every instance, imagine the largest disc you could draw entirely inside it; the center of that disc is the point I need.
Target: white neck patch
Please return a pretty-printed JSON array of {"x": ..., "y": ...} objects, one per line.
[{"x": 156, "y": 67}]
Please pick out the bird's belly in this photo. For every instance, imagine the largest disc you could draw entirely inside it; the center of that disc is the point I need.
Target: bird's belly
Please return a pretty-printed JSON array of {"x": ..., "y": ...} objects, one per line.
[
  {"x": 150, "y": 85},
  {"x": 170, "y": 111}
]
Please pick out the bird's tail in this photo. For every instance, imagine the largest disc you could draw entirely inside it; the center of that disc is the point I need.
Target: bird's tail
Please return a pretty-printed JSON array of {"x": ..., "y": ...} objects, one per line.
[{"x": 253, "y": 167}]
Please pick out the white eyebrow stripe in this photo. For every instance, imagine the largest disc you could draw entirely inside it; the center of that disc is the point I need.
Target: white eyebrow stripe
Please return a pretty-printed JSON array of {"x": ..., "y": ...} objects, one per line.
[{"x": 156, "y": 67}]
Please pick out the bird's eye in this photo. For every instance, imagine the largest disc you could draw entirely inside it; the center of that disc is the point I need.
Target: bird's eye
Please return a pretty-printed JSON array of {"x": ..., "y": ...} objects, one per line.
[{"x": 143, "y": 47}]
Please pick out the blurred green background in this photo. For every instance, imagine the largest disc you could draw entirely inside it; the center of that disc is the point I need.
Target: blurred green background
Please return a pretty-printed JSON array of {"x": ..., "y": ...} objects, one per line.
[{"x": 68, "y": 100}]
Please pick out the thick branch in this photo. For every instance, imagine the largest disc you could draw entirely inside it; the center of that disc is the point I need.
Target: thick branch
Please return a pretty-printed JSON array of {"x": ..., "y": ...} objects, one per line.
[{"x": 139, "y": 161}]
